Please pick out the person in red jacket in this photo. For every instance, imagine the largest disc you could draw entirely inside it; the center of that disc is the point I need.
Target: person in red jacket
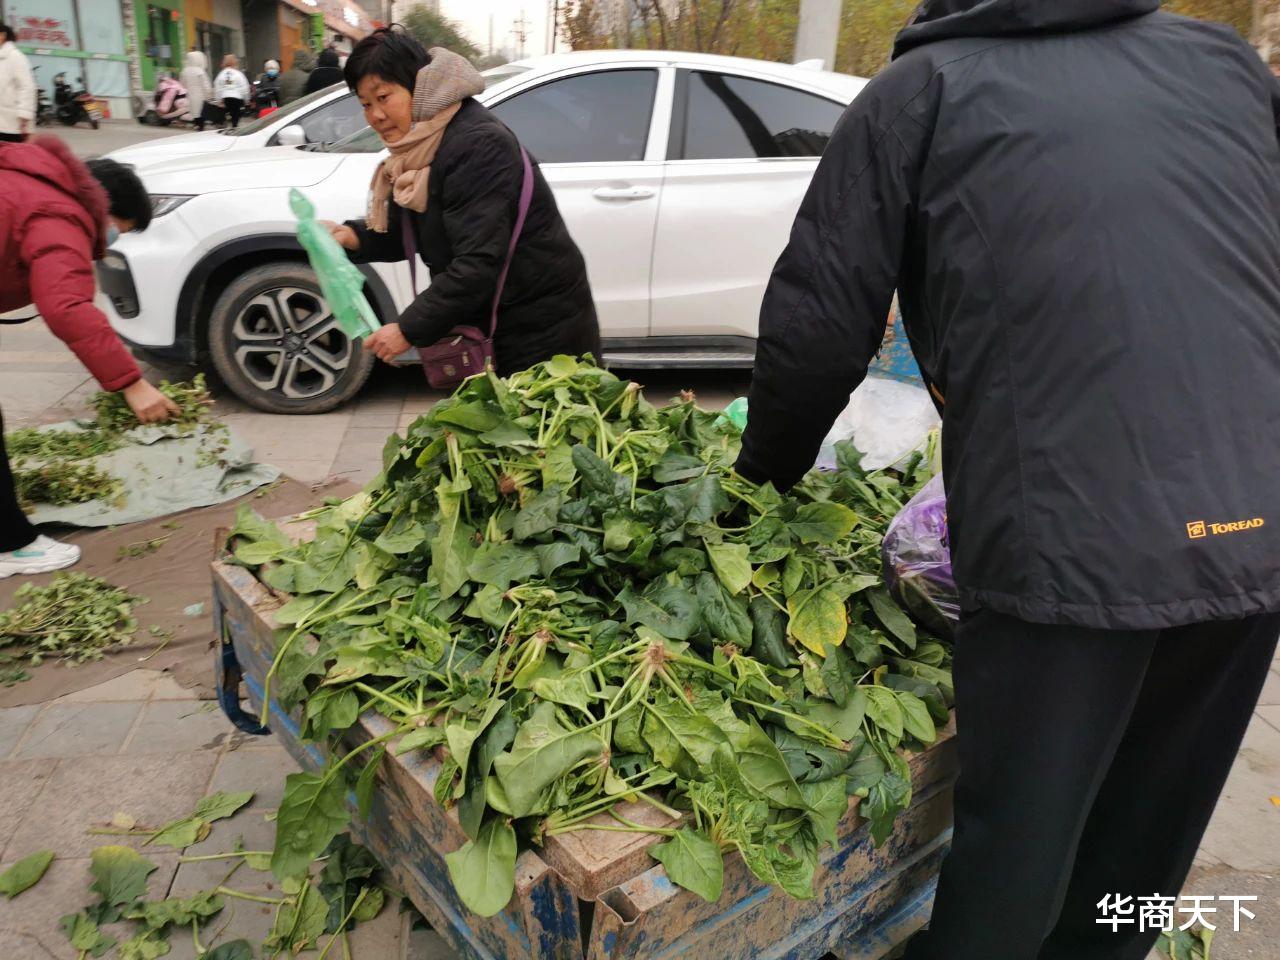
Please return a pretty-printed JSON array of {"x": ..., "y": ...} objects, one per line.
[{"x": 57, "y": 215}]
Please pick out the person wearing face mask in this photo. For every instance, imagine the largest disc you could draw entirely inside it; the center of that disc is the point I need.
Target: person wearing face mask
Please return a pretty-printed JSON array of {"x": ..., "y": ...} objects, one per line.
[
  {"x": 455, "y": 188},
  {"x": 58, "y": 215},
  {"x": 267, "y": 92}
]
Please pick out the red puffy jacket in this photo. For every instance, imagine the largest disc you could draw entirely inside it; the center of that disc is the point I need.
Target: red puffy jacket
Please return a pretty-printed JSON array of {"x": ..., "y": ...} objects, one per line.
[{"x": 53, "y": 217}]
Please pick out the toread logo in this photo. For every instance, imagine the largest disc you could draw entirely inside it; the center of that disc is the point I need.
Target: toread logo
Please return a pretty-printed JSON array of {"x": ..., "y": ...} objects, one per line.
[{"x": 1198, "y": 529}]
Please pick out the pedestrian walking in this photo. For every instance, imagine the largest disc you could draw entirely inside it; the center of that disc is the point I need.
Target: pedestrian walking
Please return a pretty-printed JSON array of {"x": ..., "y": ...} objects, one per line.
[
  {"x": 195, "y": 78},
  {"x": 57, "y": 216},
  {"x": 231, "y": 87},
  {"x": 326, "y": 73},
  {"x": 293, "y": 82},
  {"x": 1077, "y": 202},
  {"x": 455, "y": 189},
  {"x": 17, "y": 90}
]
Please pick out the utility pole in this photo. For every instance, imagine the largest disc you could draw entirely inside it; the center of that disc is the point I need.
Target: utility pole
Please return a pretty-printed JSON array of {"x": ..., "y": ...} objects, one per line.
[
  {"x": 818, "y": 31},
  {"x": 555, "y": 26},
  {"x": 520, "y": 30}
]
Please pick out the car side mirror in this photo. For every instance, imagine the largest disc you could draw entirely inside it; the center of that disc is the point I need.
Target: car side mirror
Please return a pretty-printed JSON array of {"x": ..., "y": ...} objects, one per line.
[{"x": 292, "y": 136}]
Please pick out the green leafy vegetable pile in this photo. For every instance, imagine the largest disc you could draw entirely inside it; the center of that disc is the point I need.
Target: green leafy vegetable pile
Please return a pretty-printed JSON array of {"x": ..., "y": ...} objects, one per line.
[
  {"x": 62, "y": 482},
  {"x": 573, "y": 594},
  {"x": 192, "y": 398},
  {"x": 75, "y": 618},
  {"x": 46, "y": 467}
]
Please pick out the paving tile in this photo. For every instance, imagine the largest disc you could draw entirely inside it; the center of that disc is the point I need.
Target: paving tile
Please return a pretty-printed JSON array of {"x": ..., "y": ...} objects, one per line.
[
  {"x": 167, "y": 688},
  {"x": 14, "y": 720},
  {"x": 248, "y": 830},
  {"x": 20, "y": 782},
  {"x": 1271, "y": 690},
  {"x": 136, "y": 685},
  {"x": 261, "y": 769},
  {"x": 174, "y": 726},
  {"x": 383, "y": 936},
  {"x": 1272, "y": 716},
  {"x": 1244, "y": 833},
  {"x": 65, "y": 889},
  {"x": 362, "y": 419},
  {"x": 358, "y": 435},
  {"x": 78, "y": 729},
  {"x": 153, "y": 789},
  {"x": 426, "y": 944}
]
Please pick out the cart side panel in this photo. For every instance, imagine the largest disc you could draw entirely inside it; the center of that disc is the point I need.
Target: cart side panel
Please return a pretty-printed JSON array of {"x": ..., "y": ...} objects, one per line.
[
  {"x": 857, "y": 887},
  {"x": 407, "y": 830}
]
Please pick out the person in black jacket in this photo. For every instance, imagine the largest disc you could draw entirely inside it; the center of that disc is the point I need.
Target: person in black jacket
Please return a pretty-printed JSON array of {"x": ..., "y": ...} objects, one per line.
[
  {"x": 455, "y": 170},
  {"x": 326, "y": 73},
  {"x": 1078, "y": 202}
]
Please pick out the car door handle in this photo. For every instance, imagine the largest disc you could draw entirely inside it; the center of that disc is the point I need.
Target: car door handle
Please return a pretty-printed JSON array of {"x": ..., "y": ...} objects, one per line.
[{"x": 622, "y": 193}]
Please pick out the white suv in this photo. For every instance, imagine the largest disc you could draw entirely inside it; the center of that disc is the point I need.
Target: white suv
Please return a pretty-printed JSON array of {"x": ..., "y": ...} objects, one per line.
[
  {"x": 326, "y": 116},
  {"x": 678, "y": 174}
]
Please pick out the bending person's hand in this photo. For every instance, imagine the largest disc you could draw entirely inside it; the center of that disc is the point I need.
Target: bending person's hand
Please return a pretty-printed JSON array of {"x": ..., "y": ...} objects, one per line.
[
  {"x": 345, "y": 236},
  {"x": 148, "y": 404},
  {"x": 387, "y": 343}
]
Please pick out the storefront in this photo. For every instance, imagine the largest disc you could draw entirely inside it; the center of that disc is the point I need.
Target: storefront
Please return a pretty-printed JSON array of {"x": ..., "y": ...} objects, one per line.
[
  {"x": 161, "y": 38},
  {"x": 83, "y": 39},
  {"x": 216, "y": 28}
]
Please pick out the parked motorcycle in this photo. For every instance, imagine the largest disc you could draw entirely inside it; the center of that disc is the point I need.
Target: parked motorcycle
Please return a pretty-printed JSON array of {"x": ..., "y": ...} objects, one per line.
[
  {"x": 44, "y": 109},
  {"x": 74, "y": 106}
]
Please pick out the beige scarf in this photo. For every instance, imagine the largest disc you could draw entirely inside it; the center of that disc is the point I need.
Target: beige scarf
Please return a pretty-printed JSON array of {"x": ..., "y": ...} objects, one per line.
[{"x": 438, "y": 92}]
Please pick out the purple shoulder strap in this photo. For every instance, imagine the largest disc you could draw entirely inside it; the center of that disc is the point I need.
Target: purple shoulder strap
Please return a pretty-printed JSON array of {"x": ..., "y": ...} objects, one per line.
[{"x": 526, "y": 198}]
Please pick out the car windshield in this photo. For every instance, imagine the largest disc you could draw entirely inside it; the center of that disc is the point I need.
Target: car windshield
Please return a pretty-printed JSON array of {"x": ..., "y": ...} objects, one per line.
[
  {"x": 362, "y": 141},
  {"x": 288, "y": 110}
]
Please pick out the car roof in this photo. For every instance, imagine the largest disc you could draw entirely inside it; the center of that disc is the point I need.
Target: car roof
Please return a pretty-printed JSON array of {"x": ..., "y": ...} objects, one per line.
[{"x": 836, "y": 82}]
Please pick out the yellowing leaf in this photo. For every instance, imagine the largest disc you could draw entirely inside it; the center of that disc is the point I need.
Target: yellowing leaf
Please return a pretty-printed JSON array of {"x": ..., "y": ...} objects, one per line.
[{"x": 818, "y": 618}]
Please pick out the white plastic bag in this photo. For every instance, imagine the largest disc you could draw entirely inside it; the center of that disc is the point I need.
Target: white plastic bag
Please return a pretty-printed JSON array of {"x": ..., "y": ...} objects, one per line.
[{"x": 886, "y": 419}]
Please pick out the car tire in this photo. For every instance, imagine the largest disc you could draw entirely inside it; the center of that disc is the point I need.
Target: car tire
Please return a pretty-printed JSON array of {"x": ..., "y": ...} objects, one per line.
[{"x": 275, "y": 345}]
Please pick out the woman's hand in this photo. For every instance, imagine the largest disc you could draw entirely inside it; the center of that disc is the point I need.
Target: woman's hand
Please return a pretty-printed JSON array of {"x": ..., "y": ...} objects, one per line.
[
  {"x": 387, "y": 343},
  {"x": 345, "y": 236},
  {"x": 148, "y": 404}
]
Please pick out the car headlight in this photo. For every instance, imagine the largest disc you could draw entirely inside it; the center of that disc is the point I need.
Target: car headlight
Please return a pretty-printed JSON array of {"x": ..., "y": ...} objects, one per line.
[{"x": 162, "y": 203}]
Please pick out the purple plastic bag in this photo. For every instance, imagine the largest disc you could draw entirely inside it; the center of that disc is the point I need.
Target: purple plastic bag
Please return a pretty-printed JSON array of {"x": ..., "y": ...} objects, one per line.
[{"x": 917, "y": 560}]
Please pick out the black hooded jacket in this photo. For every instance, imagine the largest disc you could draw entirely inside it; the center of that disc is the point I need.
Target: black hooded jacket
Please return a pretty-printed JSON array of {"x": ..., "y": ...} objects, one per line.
[
  {"x": 473, "y": 197},
  {"x": 1079, "y": 204}
]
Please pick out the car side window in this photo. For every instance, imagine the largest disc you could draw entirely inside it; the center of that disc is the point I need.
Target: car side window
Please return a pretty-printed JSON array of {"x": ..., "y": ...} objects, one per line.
[
  {"x": 334, "y": 121},
  {"x": 587, "y": 118},
  {"x": 730, "y": 118}
]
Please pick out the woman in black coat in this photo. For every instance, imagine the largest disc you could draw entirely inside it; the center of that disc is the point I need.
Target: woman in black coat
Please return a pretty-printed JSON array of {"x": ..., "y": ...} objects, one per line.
[{"x": 455, "y": 170}]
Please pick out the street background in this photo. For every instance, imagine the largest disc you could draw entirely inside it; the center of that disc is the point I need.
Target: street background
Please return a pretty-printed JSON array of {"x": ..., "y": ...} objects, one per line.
[{"x": 142, "y": 744}]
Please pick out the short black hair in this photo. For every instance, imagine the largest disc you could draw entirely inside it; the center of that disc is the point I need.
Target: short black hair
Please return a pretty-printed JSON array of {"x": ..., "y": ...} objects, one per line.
[
  {"x": 392, "y": 53},
  {"x": 128, "y": 197},
  {"x": 7, "y": 31}
]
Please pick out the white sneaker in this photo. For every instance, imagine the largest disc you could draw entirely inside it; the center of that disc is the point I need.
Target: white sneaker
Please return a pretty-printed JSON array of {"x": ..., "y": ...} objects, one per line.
[{"x": 40, "y": 556}]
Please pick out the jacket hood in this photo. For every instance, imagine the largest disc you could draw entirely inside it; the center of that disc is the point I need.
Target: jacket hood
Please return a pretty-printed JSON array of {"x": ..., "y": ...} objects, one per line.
[
  {"x": 195, "y": 58},
  {"x": 303, "y": 60},
  {"x": 947, "y": 19},
  {"x": 51, "y": 161},
  {"x": 329, "y": 58}
]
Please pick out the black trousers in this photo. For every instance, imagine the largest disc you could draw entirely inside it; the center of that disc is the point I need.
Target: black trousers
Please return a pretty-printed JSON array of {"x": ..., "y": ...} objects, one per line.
[
  {"x": 233, "y": 107},
  {"x": 1090, "y": 764},
  {"x": 15, "y": 530},
  {"x": 13, "y": 137}
]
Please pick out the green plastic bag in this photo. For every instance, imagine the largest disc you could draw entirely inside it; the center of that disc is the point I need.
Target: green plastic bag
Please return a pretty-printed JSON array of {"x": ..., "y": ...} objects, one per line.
[
  {"x": 735, "y": 413},
  {"x": 341, "y": 282}
]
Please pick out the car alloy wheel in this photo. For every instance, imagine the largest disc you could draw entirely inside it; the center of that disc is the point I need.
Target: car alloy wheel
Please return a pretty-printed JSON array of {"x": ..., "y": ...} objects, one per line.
[
  {"x": 288, "y": 341},
  {"x": 277, "y": 345}
]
